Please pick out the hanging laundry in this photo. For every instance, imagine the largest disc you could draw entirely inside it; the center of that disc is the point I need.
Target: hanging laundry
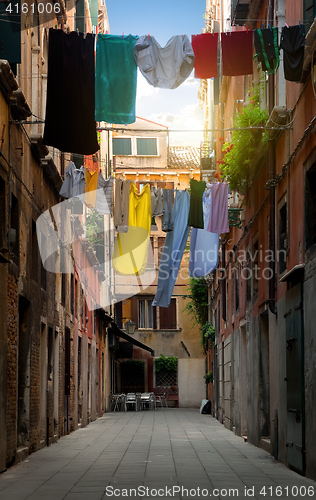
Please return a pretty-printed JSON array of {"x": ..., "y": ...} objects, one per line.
[
  {"x": 293, "y": 45},
  {"x": 69, "y": 122},
  {"x": 197, "y": 189},
  {"x": 91, "y": 187},
  {"x": 267, "y": 49},
  {"x": 205, "y": 48},
  {"x": 74, "y": 182},
  {"x": 218, "y": 221},
  {"x": 121, "y": 205},
  {"x": 203, "y": 245},
  {"x": 164, "y": 67},
  {"x": 157, "y": 204},
  {"x": 167, "y": 216},
  {"x": 103, "y": 202},
  {"x": 115, "y": 79},
  {"x": 173, "y": 250},
  {"x": 131, "y": 248},
  {"x": 237, "y": 53}
]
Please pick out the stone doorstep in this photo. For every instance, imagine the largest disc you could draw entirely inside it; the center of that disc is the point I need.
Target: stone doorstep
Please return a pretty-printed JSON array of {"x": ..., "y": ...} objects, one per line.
[
  {"x": 21, "y": 454},
  {"x": 265, "y": 444}
]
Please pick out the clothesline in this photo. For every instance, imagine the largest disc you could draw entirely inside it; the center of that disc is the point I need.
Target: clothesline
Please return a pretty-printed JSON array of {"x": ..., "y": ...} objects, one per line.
[
  {"x": 226, "y": 19},
  {"x": 106, "y": 89}
]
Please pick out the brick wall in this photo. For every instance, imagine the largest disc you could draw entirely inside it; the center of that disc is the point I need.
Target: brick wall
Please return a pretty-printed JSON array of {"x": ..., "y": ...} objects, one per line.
[{"x": 12, "y": 360}]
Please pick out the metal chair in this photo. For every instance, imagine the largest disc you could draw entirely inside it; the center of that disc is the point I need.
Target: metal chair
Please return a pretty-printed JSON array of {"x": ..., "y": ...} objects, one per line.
[
  {"x": 147, "y": 400},
  {"x": 115, "y": 402},
  {"x": 161, "y": 399},
  {"x": 132, "y": 399}
]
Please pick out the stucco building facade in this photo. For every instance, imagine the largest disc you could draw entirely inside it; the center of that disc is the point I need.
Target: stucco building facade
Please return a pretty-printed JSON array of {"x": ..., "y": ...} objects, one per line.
[{"x": 262, "y": 307}]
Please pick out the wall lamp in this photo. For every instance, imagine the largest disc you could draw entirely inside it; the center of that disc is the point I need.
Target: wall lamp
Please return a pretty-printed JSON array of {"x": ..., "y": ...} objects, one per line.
[{"x": 130, "y": 327}]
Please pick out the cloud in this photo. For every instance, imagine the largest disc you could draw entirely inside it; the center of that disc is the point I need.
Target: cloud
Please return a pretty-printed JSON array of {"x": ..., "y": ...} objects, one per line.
[
  {"x": 191, "y": 82},
  {"x": 189, "y": 119},
  {"x": 144, "y": 89}
]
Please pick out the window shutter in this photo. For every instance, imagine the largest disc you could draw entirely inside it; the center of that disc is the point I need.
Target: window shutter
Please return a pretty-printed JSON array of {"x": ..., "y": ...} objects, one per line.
[
  {"x": 155, "y": 317},
  {"x": 122, "y": 146},
  {"x": 135, "y": 310},
  {"x": 147, "y": 146},
  {"x": 168, "y": 317}
]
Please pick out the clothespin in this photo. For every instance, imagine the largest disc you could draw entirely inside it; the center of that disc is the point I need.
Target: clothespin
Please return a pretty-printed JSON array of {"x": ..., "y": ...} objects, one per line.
[
  {"x": 286, "y": 25},
  {"x": 148, "y": 35},
  {"x": 263, "y": 26},
  {"x": 123, "y": 34},
  {"x": 299, "y": 23},
  {"x": 77, "y": 32},
  {"x": 269, "y": 27},
  {"x": 106, "y": 32},
  {"x": 56, "y": 26},
  {"x": 247, "y": 28}
]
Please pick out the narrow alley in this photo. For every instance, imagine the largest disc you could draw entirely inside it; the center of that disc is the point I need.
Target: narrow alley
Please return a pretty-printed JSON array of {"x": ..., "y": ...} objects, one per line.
[{"x": 164, "y": 453}]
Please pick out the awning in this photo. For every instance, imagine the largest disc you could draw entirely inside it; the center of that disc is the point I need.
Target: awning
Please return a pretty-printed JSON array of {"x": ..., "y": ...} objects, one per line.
[{"x": 119, "y": 333}]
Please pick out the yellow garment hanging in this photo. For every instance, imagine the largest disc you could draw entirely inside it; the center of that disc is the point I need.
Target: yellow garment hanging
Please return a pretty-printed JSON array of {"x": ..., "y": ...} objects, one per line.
[
  {"x": 131, "y": 248},
  {"x": 91, "y": 186}
]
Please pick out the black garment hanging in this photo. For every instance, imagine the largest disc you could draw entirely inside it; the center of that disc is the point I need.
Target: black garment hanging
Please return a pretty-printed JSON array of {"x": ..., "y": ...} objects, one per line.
[
  {"x": 293, "y": 43},
  {"x": 195, "y": 218},
  {"x": 69, "y": 123},
  {"x": 267, "y": 50}
]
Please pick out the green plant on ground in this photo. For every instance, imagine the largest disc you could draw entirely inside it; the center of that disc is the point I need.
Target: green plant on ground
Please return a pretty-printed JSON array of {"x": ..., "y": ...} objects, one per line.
[
  {"x": 241, "y": 154},
  {"x": 166, "y": 363}
]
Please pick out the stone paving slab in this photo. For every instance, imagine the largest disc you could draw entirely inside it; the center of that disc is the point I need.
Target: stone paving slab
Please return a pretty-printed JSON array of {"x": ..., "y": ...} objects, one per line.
[{"x": 171, "y": 453}]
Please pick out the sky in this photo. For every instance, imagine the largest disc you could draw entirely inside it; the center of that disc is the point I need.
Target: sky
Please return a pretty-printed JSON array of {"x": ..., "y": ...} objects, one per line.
[{"x": 178, "y": 108}]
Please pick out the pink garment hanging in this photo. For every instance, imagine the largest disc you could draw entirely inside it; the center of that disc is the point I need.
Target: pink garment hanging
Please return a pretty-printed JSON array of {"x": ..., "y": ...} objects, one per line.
[
  {"x": 205, "y": 47},
  {"x": 218, "y": 221},
  {"x": 237, "y": 53}
]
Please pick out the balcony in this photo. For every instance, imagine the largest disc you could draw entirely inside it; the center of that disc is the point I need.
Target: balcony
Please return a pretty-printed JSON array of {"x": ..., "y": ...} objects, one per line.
[{"x": 239, "y": 11}]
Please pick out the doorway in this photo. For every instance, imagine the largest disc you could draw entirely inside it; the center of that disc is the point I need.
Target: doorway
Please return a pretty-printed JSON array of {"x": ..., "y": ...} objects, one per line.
[{"x": 295, "y": 379}]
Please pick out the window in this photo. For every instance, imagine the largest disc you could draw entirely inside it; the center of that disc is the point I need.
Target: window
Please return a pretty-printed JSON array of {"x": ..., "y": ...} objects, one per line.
[
  {"x": 122, "y": 146},
  {"x": 34, "y": 254},
  {"x": 168, "y": 316},
  {"x": 282, "y": 238},
  {"x": 2, "y": 213},
  {"x": 146, "y": 316},
  {"x": 146, "y": 146},
  {"x": 255, "y": 269},
  {"x": 43, "y": 270},
  {"x": 310, "y": 208},
  {"x": 72, "y": 295},
  {"x": 50, "y": 354},
  {"x": 237, "y": 288},
  {"x": 145, "y": 313},
  {"x": 14, "y": 229},
  {"x": 247, "y": 276}
]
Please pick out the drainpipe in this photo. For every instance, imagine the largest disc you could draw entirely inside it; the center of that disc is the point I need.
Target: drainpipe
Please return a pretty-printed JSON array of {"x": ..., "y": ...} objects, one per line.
[{"x": 272, "y": 171}]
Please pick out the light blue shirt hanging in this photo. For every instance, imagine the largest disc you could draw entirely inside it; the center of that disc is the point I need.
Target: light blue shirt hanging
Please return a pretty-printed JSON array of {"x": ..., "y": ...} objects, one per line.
[
  {"x": 203, "y": 245},
  {"x": 173, "y": 250}
]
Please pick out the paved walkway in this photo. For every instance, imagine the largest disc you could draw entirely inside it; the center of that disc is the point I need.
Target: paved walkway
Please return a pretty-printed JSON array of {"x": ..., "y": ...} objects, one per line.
[{"x": 156, "y": 454}]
